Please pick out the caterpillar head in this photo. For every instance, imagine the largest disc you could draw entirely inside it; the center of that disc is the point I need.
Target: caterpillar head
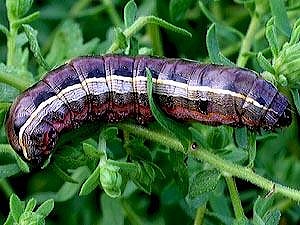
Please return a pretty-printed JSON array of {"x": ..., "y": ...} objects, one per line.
[{"x": 33, "y": 141}]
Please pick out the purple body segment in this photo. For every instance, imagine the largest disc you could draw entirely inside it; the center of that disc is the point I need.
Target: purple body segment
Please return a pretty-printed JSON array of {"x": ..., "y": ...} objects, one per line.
[
  {"x": 60, "y": 80},
  {"x": 112, "y": 88},
  {"x": 89, "y": 67},
  {"x": 93, "y": 69}
]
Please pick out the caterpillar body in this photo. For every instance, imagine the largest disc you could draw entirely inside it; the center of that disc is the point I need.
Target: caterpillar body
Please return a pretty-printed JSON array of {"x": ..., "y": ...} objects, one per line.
[{"x": 112, "y": 87}]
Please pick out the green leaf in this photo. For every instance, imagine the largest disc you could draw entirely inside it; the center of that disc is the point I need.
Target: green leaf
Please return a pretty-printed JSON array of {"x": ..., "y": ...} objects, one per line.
[
  {"x": 91, "y": 183},
  {"x": 181, "y": 132},
  {"x": 279, "y": 13},
  {"x": 244, "y": 221},
  {"x": 170, "y": 194},
  {"x": 22, "y": 164},
  {"x": 199, "y": 136},
  {"x": 264, "y": 63},
  {"x": 251, "y": 148},
  {"x": 17, "y": 8},
  {"x": 34, "y": 46},
  {"x": 30, "y": 205},
  {"x": 109, "y": 132},
  {"x": 133, "y": 47},
  {"x": 221, "y": 207},
  {"x": 181, "y": 173},
  {"x": 68, "y": 43},
  {"x": 27, "y": 19},
  {"x": 10, "y": 220},
  {"x": 62, "y": 174},
  {"x": 68, "y": 190},
  {"x": 178, "y": 8},
  {"x": 110, "y": 179},
  {"x": 8, "y": 170},
  {"x": 70, "y": 157},
  {"x": 218, "y": 137},
  {"x": 296, "y": 98},
  {"x": 112, "y": 210},
  {"x": 243, "y": 1},
  {"x": 102, "y": 145},
  {"x": 295, "y": 36},
  {"x": 141, "y": 173},
  {"x": 16, "y": 78},
  {"x": 272, "y": 218},
  {"x": 203, "y": 182},
  {"x": 4, "y": 30},
  {"x": 137, "y": 150},
  {"x": 121, "y": 39},
  {"x": 7, "y": 149},
  {"x": 91, "y": 151},
  {"x": 262, "y": 214},
  {"x": 31, "y": 218},
  {"x": 159, "y": 174},
  {"x": 241, "y": 137},
  {"x": 45, "y": 208},
  {"x": 271, "y": 36},
  {"x": 130, "y": 11},
  {"x": 147, "y": 176},
  {"x": 207, "y": 13},
  {"x": 233, "y": 154},
  {"x": 214, "y": 52},
  {"x": 16, "y": 206}
]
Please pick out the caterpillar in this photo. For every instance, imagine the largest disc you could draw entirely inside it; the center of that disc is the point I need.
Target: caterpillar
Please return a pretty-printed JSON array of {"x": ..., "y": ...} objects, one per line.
[{"x": 113, "y": 87}]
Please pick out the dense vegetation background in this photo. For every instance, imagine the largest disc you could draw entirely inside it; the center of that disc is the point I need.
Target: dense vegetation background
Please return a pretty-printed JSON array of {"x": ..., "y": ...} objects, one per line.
[{"x": 127, "y": 174}]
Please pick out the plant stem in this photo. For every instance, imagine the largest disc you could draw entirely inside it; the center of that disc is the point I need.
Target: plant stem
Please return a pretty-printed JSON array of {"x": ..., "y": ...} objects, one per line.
[
  {"x": 219, "y": 163},
  {"x": 248, "y": 40},
  {"x": 153, "y": 136},
  {"x": 200, "y": 215},
  {"x": 114, "y": 16},
  {"x": 140, "y": 23},
  {"x": 14, "y": 81},
  {"x": 91, "y": 11},
  {"x": 6, "y": 188},
  {"x": 245, "y": 174},
  {"x": 235, "y": 199},
  {"x": 155, "y": 38},
  {"x": 11, "y": 45},
  {"x": 78, "y": 7}
]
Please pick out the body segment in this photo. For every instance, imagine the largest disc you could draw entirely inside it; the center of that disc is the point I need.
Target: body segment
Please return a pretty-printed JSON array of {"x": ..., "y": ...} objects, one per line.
[{"x": 112, "y": 88}]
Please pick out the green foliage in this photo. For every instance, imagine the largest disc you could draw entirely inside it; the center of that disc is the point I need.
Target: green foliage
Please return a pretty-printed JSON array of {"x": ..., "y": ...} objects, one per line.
[
  {"x": 22, "y": 214},
  {"x": 262, "y": 215},
  {"x": 164, "y": 172}
]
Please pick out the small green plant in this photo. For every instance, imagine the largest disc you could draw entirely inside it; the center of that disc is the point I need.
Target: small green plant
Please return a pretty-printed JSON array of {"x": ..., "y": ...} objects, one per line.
[
  {"x": 191, "y": 173},
  {"x": 24, "y": 215}
]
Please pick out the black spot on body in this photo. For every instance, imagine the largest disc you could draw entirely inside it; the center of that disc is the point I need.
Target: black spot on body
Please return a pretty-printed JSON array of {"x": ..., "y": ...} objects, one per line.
[{"x": 203, "y": 105}]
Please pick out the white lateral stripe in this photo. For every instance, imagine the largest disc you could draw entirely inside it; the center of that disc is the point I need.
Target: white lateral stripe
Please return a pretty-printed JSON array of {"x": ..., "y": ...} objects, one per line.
[{"x": 134, "y": 80}]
